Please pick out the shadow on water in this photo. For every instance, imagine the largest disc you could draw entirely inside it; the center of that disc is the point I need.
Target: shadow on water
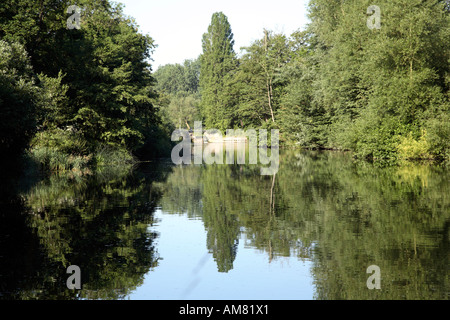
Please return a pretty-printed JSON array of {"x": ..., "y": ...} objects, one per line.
[{"x": 98, "y": 222}]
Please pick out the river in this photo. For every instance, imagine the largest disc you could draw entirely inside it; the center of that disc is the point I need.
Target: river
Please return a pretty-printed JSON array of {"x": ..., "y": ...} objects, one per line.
[{"x": 226, "y": 232}]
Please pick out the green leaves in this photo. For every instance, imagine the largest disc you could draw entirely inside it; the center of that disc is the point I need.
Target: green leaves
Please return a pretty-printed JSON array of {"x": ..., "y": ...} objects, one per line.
[
  {"x": 338, "y": 84},
  {"x": 259, "y": 74},
  {"x": 178, "y": 88},
  {"x": 377, "y": 84},
  {"x": 96, "y": 79},
  {"x": 176, "y": 78},
  {"x": 218, "y": 62},
  {"x": 18, "y": 99}
]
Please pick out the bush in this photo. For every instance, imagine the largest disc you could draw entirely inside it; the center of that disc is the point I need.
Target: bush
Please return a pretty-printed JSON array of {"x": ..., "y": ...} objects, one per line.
[
  {"x": 374, "y": 136},
  {"x": 55, "y": 160},
  {"x": 64, "y": 141},
  {"x": 412, "y": 149},
  {"x": 438, "y": 136},
  {"x": 111, "y": 162},
  {"x": 112, "y": 156}
]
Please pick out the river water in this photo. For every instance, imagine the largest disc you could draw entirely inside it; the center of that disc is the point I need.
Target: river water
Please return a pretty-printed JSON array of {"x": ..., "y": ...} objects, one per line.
[{"x": 226, "y": 232}]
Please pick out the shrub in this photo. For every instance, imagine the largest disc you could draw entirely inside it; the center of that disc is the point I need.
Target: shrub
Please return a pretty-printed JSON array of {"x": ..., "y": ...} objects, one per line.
[
  {"x": 54, "y": 160},
  {"x": 64, "y": 141},
  {"x": 438, "y": 136},
  {"x": 410, "y": 148},
  {"x": 106, "y": 155}
]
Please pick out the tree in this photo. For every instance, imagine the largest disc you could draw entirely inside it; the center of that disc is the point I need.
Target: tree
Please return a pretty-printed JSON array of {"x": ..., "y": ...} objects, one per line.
[
  {"x": 379, "y": 85},
  {"x": 178, "y": 85},
  {"x": 117, "y": 109},
  {"x": 18, "y": 99},
  {"x": 218, "y": 62},
  {"x": 259, "y": 78},
  {"x": 103, "y": 82},
  {"x": 192, "y": 75},
  {"x": 302, "y": 120},
  {"x": 183, "y": 110},
  {"x": 171, "y": 79},
  {"x": 177, "y": 78}
]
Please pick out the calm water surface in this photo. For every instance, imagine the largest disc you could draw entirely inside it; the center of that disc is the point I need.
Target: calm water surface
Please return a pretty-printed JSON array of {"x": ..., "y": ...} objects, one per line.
[{"x": 226, "y": 232}]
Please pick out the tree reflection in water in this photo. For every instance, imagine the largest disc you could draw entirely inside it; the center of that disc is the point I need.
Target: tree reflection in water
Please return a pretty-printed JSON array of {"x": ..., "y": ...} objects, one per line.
[{"x": 322, "y": 207}]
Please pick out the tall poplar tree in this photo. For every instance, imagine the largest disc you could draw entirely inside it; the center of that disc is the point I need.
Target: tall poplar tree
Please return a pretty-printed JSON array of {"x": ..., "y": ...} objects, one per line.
[{"x": 217, "y": 63}]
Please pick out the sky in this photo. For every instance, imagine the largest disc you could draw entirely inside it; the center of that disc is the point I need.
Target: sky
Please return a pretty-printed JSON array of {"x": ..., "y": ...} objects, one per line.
[{"x": 177, "y": 26}]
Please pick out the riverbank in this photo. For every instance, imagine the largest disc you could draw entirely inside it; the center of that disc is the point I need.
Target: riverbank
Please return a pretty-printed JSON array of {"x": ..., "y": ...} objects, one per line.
[{"x": 48, "y": 160}]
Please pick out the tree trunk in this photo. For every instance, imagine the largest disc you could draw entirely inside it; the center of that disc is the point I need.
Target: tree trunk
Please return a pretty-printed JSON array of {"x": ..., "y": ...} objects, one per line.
[
  {"x": 269, "y": 96},
  {"x": 269, "y": 81}
]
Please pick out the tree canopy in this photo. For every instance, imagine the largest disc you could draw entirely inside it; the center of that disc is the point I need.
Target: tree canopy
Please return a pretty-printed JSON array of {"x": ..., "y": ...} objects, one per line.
[{"x": 94, "y": 84}]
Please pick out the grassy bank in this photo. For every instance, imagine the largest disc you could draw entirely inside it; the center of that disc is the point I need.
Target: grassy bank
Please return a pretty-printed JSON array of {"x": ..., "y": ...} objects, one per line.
[{"x": 104, "y": 158}]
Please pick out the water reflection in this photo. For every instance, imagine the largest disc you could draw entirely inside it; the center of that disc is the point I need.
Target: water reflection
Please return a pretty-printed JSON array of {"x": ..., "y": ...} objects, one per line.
[
  {"x": 99, "y": 223},
  {"x": 323, "y": 207},
  {"x": 320, "y": 207}
]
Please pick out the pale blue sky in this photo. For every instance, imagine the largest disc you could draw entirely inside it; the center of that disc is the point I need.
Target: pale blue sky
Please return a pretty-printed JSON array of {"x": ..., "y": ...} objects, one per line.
[{"x": 177, "y": 26}]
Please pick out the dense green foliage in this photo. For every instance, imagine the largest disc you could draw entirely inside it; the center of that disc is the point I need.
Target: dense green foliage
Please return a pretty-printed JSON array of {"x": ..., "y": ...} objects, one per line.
[
  {"x": 17, "y": 99},
  {"x": 179, "y": 97},
  {"x": 83, "y": 89},
  {"x": 382, "y": 93},
  {"x": 217, "y": 63},
  {"x": 379, "y": 90}
]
